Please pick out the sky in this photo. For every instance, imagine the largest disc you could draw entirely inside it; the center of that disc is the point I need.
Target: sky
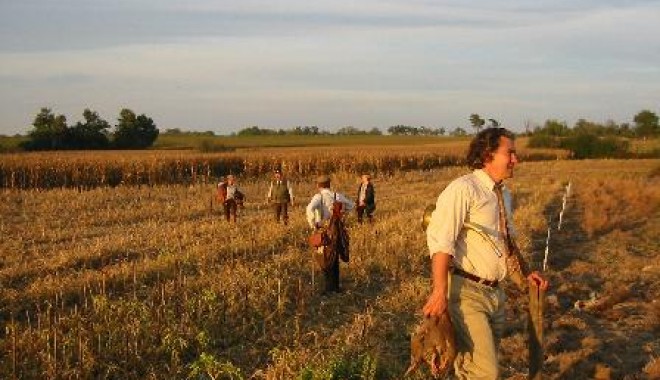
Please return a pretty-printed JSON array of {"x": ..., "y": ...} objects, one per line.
[{"x": 217, "y": 65}]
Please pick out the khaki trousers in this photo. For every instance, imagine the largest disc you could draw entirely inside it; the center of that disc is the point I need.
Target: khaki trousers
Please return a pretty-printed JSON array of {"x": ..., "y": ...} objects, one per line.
[{"x": 478, "y": 315}]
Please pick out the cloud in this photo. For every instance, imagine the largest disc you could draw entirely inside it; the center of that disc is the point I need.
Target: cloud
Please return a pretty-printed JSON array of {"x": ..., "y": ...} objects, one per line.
[
  {"x": 83, "y": 24},
  {"x": 368, "y": 63}
]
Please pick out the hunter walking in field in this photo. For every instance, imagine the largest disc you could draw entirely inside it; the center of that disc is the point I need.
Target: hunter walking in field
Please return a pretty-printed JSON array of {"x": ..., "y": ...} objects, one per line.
[
  {"x": 366, "y": 199},
  {"x": 470, "y": 235},
  {"x": 325, "y": 216},
  {"x": 230, "y": 197},
  {"x": 280, "y": 194}
]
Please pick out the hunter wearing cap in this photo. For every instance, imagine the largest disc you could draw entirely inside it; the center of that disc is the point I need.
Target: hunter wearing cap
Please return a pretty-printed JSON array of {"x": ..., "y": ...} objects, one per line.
[
  {"x": 327, "y": 206},
  {"x": 280, "y": 194}
]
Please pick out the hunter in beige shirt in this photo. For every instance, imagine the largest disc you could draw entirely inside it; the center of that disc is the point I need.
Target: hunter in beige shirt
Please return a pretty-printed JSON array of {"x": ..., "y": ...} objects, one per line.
[{"x": 468, "y": 204}]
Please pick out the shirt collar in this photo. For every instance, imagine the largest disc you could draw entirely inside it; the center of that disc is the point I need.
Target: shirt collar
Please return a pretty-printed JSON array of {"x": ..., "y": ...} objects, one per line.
[{"x": 485, "y": 179}]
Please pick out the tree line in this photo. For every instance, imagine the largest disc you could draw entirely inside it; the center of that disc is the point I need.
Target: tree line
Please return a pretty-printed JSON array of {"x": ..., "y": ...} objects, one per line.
[
  {"x": 305, "y": 131},
  {"x": 587, "y": 139},
  {"x": 645, "y": 125},
  {"x": 51, "y": 132},
  {"x": 395, "y": 130},
  {"x": 132, "y": 131}
]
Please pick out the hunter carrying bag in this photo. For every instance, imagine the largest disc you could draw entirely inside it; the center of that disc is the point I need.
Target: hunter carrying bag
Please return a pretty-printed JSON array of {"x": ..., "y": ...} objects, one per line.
[
  {"x": 318, "y": 239},
  {"x": 321, "y": 249},
  {"x": 334, "y": 239}
]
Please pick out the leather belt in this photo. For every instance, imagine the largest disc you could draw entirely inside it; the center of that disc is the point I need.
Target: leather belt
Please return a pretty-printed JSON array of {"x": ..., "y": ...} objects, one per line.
[{"x": 474, "y": 277}]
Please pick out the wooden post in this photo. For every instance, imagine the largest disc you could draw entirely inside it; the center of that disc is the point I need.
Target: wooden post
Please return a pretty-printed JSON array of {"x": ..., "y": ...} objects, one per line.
[
  {"x": 312, "y": 268},
  {"x": 535, "y": 330},
  {"x": 279, "y": 296},
  {"x": 134, "y": 280},
  {"x": 14, "y": 344}
]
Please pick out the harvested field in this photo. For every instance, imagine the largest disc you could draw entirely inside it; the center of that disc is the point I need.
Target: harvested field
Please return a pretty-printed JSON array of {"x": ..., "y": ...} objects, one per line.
[{"x": 149, "y": 282}]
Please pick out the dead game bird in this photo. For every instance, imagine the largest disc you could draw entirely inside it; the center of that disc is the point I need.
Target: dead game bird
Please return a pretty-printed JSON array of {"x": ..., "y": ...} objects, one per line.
[{"x": 433, "y": 342}]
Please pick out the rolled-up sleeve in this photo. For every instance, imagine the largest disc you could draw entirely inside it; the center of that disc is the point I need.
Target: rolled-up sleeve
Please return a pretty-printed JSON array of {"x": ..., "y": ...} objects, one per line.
[
  {"x": 448, "y": 218},
  {"x": 348, "y": 204},
  {"x": 314, "y": 205}
]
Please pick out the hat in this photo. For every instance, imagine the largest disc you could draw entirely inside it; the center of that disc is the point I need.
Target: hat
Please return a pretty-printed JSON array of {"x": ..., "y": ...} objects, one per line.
[
  {"x": 322, "y": 179},
  {"x": 230, "y": 176}
]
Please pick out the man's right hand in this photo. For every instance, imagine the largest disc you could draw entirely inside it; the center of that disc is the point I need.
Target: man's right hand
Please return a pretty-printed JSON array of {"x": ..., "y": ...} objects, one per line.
[
  {"x": 435, "y": 305},
  {"x": 437, "y": 302}
]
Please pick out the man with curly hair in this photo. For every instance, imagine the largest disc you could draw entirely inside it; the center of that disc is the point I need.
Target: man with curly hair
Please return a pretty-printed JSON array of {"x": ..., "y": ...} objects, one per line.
[{"x": 470, "y": 239}]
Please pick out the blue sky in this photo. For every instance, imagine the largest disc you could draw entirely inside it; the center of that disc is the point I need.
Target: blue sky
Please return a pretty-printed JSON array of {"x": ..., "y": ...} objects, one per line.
[{"x": 226, "y": 65}]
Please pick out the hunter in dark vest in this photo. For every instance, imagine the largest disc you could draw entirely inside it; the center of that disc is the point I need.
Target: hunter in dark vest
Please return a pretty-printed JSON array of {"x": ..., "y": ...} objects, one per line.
[
  {"x": 366, "y": 199},
  {"x": 281, "y": 195}
]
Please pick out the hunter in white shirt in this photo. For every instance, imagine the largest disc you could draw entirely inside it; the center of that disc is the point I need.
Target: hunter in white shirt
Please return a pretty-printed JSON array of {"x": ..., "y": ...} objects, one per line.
[
  {"x": 471, "y": 199},
  {"x": 319, "y": 208},
  {"x": 318, "y": 211}
]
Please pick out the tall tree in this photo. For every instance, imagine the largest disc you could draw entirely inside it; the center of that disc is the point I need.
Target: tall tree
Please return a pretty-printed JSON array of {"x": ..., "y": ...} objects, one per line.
[
  {"x": 50, "y": 132},
  {"x": 554, "y": 128},
  {"x": 134, "y": 132},
  {"x": 585, "y": 127},
  {"x": 646, "y": 124},
  {"x": 90, "y": 134},
  {"x": 458, "y": 131},
  {"x": 477, "y": 122}
]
